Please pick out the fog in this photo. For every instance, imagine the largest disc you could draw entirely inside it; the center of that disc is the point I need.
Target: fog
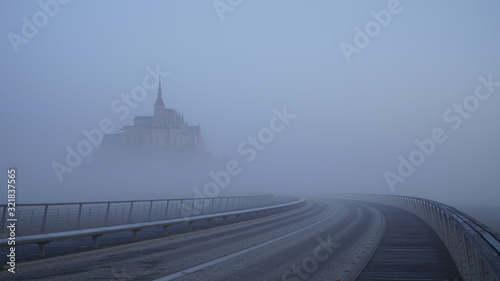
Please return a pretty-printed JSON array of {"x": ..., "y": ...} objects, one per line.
[{"x": 334, "y": 91}]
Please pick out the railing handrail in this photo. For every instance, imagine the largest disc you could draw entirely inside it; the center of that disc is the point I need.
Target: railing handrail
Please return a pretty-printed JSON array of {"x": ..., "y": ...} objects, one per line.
[
  {"x": 474, "y": 224},
  {"x": 108, "y": 229},
  {"x": 56, "y": 217},
  {"x": 129, "y": 201},
  {"x": 95, "y": 233}
]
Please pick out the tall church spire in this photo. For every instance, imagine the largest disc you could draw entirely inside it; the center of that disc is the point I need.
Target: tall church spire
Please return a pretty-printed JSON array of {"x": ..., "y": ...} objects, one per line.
[{"x": 159, "y": 99}]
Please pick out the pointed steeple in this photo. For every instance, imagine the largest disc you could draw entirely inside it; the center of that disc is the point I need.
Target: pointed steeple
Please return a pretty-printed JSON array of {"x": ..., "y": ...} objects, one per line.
[{"x": 159, "y": 99}]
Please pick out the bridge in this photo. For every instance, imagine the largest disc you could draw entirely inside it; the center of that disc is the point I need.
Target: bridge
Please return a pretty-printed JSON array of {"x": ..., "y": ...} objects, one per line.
[{"x": 259, "y": 237}]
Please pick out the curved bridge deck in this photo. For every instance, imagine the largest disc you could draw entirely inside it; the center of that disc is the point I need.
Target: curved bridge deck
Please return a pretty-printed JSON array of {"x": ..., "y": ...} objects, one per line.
[{"x": 410, "y": 250}]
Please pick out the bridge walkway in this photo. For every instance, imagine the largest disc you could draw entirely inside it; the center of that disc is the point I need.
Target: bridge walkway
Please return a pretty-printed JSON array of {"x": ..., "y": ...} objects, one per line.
[{"x": 410, "y": 250}]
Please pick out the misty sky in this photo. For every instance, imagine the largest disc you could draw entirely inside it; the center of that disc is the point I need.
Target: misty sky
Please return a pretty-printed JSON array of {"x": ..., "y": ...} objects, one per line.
[{"x": 229, "y": 69}]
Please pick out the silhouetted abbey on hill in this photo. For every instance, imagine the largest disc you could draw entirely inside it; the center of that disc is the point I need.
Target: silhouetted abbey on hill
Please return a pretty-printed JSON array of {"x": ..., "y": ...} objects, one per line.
[{"x": 164, "y": 133}]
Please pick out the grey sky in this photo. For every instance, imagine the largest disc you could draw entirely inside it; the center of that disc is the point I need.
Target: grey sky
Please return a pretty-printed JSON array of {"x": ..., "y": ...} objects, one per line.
[{"x": 352, "y": 121}]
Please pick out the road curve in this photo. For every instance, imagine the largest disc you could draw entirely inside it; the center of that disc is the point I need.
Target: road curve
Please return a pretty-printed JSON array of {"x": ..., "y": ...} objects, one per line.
[{"x": 323, "y": 240}]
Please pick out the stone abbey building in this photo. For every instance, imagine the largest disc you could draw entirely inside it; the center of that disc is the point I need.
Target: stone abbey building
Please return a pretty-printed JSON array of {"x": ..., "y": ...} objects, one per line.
[{"x": 165, "y": 132}]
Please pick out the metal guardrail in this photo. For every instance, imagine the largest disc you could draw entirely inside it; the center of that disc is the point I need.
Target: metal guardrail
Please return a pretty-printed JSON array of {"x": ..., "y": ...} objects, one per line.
[
  {"x": 95, "y": 233},
  {"x": 473, "y": 247},
  {"x": 35, "y": 219}
]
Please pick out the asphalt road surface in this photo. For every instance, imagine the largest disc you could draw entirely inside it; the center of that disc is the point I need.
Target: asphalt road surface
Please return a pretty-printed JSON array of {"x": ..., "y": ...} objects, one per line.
[{"x": 323, "y": 240}]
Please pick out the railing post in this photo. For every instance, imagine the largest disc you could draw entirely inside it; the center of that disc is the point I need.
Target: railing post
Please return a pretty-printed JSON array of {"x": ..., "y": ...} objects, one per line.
[
  {"x": 449, "y": 234},
  {"x": 192, "y": 205},
  {"x": 166, "y": 210},
  {"x": 204, "y": 208},
  {"x": 442, "y": 229},
  {"x": 180, "y": 208},
  {"x": 106, "y": 219},
  {"x": 212, "y": 203},
  {"x": 66, "y": 222},
  {"x": 130, "y": 212},
  {"x": 79, "y": 217},
  {"x": 44, "y": 219},
  {"x": 150, "y": 209},
  {"x": 56, "y": 220},
  {"x": 426, "y": 212},
  {"x": 466, "y": 255},
  {"x": 122, "y": 212},
  {"x": 456, "y": 250}
]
